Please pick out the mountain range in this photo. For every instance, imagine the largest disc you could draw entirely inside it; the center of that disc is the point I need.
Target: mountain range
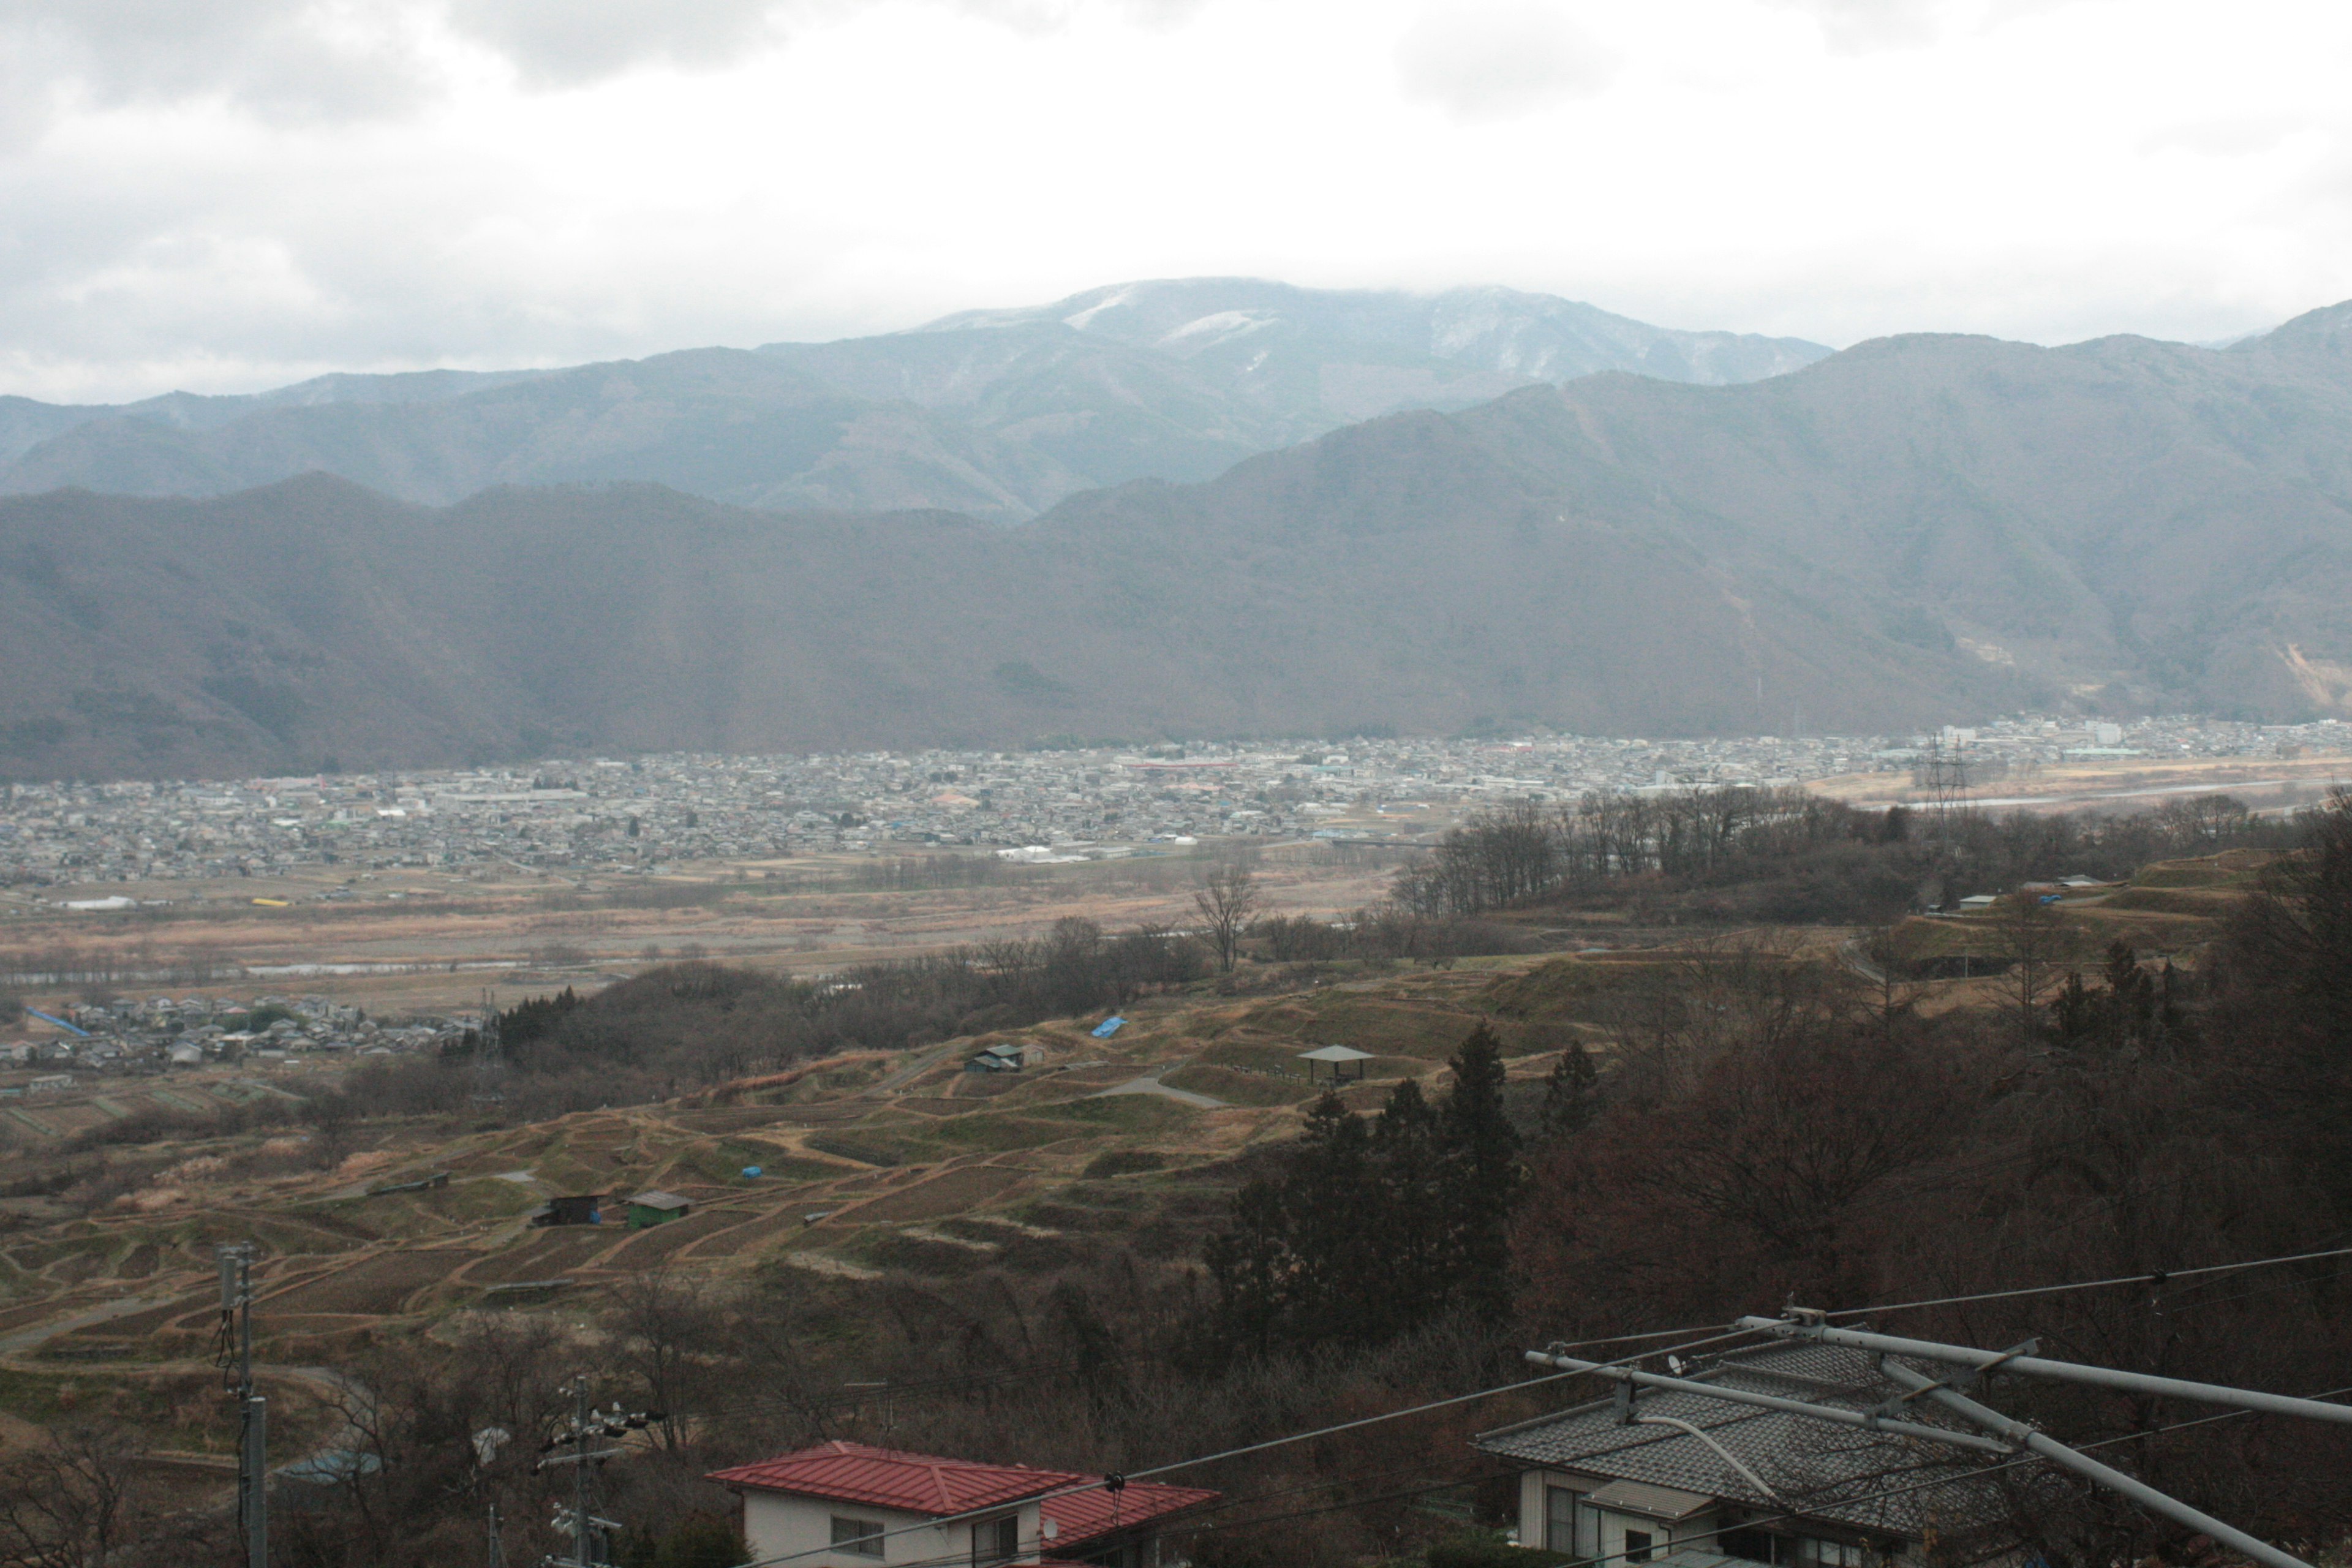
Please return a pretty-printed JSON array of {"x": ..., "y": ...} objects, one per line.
[
  {"x": 1919, "y": 530},
  {"x": 995, "y": 414}
]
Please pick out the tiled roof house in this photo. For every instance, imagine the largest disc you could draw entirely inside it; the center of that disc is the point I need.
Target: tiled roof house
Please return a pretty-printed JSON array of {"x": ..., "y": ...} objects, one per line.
[
  {"x": 845, "y": 1505},
  {"x": 1675, "y": 1473}
]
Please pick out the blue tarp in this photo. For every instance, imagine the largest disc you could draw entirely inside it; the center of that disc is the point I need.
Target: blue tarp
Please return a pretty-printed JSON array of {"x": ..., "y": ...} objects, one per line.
[
  {"x": 60, "y": 1023},
  {"x": 1108, "y": 1026}
]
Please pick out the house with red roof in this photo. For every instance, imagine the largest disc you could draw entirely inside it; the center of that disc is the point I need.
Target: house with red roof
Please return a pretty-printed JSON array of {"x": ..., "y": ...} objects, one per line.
[{"x": 845, "y": 1505}]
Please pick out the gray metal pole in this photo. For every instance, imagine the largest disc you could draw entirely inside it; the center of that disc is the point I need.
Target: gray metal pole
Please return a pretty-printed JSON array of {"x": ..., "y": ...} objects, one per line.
[
  {"x": 1774, "y": 1402},
  {"x": 2063, "y": 1370},
  {"x": 2083, "y": 1464},
  {"x": 256, "y": 1464},
  {"x": 580, "y": 1476},
  {"x": 245, "y": 1321}
]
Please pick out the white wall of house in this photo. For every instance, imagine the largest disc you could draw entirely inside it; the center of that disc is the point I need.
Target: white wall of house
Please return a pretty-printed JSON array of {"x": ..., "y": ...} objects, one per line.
[{"x": 778, "y": 1525}]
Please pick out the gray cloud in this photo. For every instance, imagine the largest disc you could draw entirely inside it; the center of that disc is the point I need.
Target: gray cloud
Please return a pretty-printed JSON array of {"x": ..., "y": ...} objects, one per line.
[
  {"x": 357, "y": 59},
  {"x": 281, "y": 60},
  {"x": 566, "y": 42},
  {"x": 1497, "y": 59}
]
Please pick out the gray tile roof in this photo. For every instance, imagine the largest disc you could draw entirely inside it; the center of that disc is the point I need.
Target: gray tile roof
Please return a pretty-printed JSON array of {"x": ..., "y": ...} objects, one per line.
[{"x": 1813, "y": 1467}]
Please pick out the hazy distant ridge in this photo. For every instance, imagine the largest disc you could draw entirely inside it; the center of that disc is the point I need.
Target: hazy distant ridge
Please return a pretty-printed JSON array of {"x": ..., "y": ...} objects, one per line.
[
  {"x": 1918, "y": 530},
  {"x": 995, "y": 414}
]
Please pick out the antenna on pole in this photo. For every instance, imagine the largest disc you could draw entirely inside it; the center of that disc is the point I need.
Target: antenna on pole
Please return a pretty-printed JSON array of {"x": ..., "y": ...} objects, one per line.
[{"x": 236, "y": 1361}]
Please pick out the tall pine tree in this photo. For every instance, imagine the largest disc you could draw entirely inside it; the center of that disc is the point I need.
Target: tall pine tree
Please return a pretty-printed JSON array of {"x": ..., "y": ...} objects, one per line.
[
  {"x": 1484, "y": 1177},
  {"x": 1409, "y": 1163},
  {"x": 1375, "y": 1229}
]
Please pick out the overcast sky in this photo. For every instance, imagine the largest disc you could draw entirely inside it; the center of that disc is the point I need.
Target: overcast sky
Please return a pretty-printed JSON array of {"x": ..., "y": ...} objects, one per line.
[{"x": 226, "y": 195}]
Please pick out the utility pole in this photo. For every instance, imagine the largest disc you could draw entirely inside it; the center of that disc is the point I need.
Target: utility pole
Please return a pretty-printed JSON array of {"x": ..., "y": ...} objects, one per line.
[
  {"x": 236, "y": 1361},
  {"x": 587, "y": 1426},
  {"x": 1978, "y": 1364}
]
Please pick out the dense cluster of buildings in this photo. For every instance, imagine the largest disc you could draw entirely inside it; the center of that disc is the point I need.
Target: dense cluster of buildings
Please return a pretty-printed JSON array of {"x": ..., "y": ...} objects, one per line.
[
  {"x": 643, "y": 813},
  {"x": 159, "y": 1034}
]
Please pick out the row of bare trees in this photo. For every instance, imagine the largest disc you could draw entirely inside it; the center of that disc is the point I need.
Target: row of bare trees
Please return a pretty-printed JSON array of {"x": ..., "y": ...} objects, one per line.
[{"x": 1525, "y": 852}]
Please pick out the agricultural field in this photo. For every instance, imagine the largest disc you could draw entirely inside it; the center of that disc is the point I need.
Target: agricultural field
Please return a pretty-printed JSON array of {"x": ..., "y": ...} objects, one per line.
[{"x": 872, "y": 1164}]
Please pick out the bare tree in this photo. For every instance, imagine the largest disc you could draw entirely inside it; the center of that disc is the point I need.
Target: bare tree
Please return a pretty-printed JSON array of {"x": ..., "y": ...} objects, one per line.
[
  {"x": 668, "y": 1324},
  {"x": 1227, "y": 899},
  {"x": 71, "y": 1502},
  {"x": 1885, "y": 960},
  {"x": 2036, "y": 941}
]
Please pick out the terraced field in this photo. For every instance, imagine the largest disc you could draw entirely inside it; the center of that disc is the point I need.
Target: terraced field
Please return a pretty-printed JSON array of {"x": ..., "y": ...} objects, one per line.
[{"x": 905, "y": 1163}]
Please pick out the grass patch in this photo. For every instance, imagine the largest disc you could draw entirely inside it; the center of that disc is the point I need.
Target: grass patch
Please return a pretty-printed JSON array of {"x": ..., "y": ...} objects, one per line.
[
  {"x": 1255, "y": 1058},
  {"x": 919, "y": 1255},
  {"x": 1237, "y": 1087},
  {"x": 1126, "y": 1113},
  {"x": 868, "y": 1148},
  {"x": 1124, "y": 1163}
]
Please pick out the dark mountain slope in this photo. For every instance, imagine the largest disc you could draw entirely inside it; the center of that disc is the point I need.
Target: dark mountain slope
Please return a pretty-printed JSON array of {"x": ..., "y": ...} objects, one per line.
[
  {"x": 2145, "y": 524},
  {"x": 1920, "y": 531}
]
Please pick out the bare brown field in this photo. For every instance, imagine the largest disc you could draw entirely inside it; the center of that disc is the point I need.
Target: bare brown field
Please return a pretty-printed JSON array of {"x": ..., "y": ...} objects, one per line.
[
  {"x": 941, "y": 1195},
  {"x": 451, "y": 935},
  {"x": 376, "y": 1287}
]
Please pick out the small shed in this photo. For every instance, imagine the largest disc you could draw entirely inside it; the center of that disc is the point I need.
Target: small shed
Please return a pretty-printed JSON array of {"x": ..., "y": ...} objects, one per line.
[
  {"x": 584, "y": 1208},
  {"x": 656, "y": 1207},
  {"x": 1010, "y": 1057},
  {"x": 1346, "y": 1062}
]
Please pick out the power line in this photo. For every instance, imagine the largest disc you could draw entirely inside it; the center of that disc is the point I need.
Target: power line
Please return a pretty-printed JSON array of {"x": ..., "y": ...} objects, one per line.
[
  {"x": 1880, "y": 1495},
  {"x": 946, "y": 1520},
  {"x": 2157, "y": 1280}
]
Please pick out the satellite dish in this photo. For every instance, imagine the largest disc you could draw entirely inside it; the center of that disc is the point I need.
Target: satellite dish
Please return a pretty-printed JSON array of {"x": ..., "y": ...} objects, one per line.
[{"x": 1674, "y": 1365}]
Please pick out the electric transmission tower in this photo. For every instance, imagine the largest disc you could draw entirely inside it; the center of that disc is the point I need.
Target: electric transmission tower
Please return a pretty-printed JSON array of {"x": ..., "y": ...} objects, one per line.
[{"x": 1945, "y": 773}]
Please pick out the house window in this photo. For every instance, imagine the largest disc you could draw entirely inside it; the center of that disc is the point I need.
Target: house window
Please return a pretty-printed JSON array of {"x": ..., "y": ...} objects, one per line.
[
  {"x": 1812, "y": 1551},
  {"x": 862, "y": 1536},
  {"x": 1570, "y": 1524},
  {"x": 996, "y": 1541},
  {"x": 1637, "y": 1546},
  {"x": 1754, "y": 1545}
]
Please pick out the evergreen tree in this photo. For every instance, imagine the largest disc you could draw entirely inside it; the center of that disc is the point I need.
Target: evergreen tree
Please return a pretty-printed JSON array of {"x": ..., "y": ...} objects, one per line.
[
  {"x": 1572, "y": 1095},
  {"x": 1331, "y": 1210},
  {"x": 1484, "y": 1175},
  {"x": 1250, "y": 1267},
  {"x": 1409, "y": 1212},
  {"x": 1375, "y": 1229}
]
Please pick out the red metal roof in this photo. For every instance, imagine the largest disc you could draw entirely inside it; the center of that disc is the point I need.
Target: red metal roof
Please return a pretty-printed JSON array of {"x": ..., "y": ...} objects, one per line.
[
  {"x": 1082, "y": 1516},
  {"x": 928, "y": 1484},
  {"x": 884, "y": 1478}
]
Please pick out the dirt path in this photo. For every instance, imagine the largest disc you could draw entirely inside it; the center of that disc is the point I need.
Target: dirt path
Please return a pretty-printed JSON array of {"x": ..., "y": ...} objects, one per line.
[{"x": 1150, "y": 1084}]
